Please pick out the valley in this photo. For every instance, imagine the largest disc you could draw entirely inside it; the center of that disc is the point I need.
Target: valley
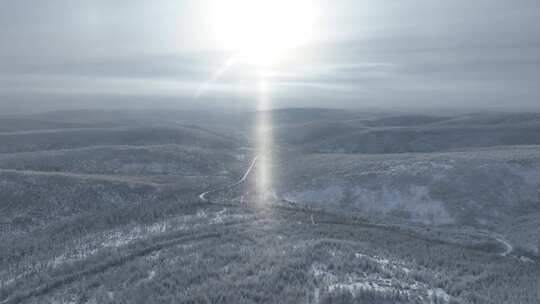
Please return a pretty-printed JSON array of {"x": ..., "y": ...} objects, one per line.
[{"x": 364, "y": 207}]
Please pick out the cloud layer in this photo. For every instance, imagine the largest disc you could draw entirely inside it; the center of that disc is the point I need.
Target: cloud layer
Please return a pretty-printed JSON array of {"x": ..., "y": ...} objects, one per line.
[{"x": 417, "y": 54}]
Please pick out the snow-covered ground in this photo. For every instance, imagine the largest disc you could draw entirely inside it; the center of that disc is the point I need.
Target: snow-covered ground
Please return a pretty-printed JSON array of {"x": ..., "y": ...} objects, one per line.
[
  {"x": 474, "y": 186},
  {"x": 392, "y": 277}
]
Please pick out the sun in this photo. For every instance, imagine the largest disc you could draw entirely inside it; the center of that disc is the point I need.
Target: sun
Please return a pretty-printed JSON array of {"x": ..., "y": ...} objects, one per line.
[{"x": 262, "y": 32}]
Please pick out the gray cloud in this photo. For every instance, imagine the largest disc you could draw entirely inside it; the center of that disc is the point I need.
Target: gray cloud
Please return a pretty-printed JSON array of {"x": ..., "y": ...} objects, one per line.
[{"x": 408, "y": 54}]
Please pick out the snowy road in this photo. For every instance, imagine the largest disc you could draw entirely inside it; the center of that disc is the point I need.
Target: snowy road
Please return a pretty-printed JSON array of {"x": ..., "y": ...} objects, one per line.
[
  {"x": 508, "y": 247},
  {"x": 203, "y": 195}
]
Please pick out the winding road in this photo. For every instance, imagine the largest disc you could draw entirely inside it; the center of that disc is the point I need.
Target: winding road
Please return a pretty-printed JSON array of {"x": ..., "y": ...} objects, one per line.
[
  {"x": 508, "y": 247},
  {"x": 203, "y": 196}
]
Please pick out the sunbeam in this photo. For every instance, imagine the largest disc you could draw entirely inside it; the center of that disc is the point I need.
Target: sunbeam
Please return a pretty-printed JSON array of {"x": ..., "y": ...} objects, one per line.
[
  {"x": 260, "y": 34},
  {"x": 264, "y": 142}
]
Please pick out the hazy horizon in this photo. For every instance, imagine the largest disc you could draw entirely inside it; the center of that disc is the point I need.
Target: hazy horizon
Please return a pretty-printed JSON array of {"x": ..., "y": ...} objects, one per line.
[{"x": 418, "y": 55}]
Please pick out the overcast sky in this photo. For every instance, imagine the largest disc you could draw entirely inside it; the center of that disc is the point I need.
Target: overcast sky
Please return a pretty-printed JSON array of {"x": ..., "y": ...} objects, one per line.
[{"x": 414, "y": 54}]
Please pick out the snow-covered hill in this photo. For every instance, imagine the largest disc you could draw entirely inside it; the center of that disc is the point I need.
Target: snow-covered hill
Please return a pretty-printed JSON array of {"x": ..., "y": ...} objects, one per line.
[{"x": 475, "y": 186}]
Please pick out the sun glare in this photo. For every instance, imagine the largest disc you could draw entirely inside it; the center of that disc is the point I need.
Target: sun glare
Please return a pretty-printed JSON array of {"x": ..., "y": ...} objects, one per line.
[{"x": 262, "y": 32}]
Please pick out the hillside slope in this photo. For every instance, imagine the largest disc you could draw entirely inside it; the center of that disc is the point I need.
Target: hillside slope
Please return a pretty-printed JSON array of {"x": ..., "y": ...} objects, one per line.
[{"x": 475, "y": 186}]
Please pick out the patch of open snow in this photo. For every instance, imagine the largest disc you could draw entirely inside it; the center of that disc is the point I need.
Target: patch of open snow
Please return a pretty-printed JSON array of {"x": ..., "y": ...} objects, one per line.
[
  {"x": 158, "y": 227},
  {"x": 119, "y": 239},
  {"x": 373, "y": 258},
  {"x": 386, "y": 263},
  {"x": 320, "y": 272},
  {"x": 154, "y": 256},
  {"x": 201, "y": 214},
  {"x": 77, "y": 255},
  {"x": 355, "y": 284},
  {"x": 438, "y": 293},
  {"x": 525, "y": 259},
  {"x": 355, "y": 287},
  {"x": 218, "y": 218}
]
